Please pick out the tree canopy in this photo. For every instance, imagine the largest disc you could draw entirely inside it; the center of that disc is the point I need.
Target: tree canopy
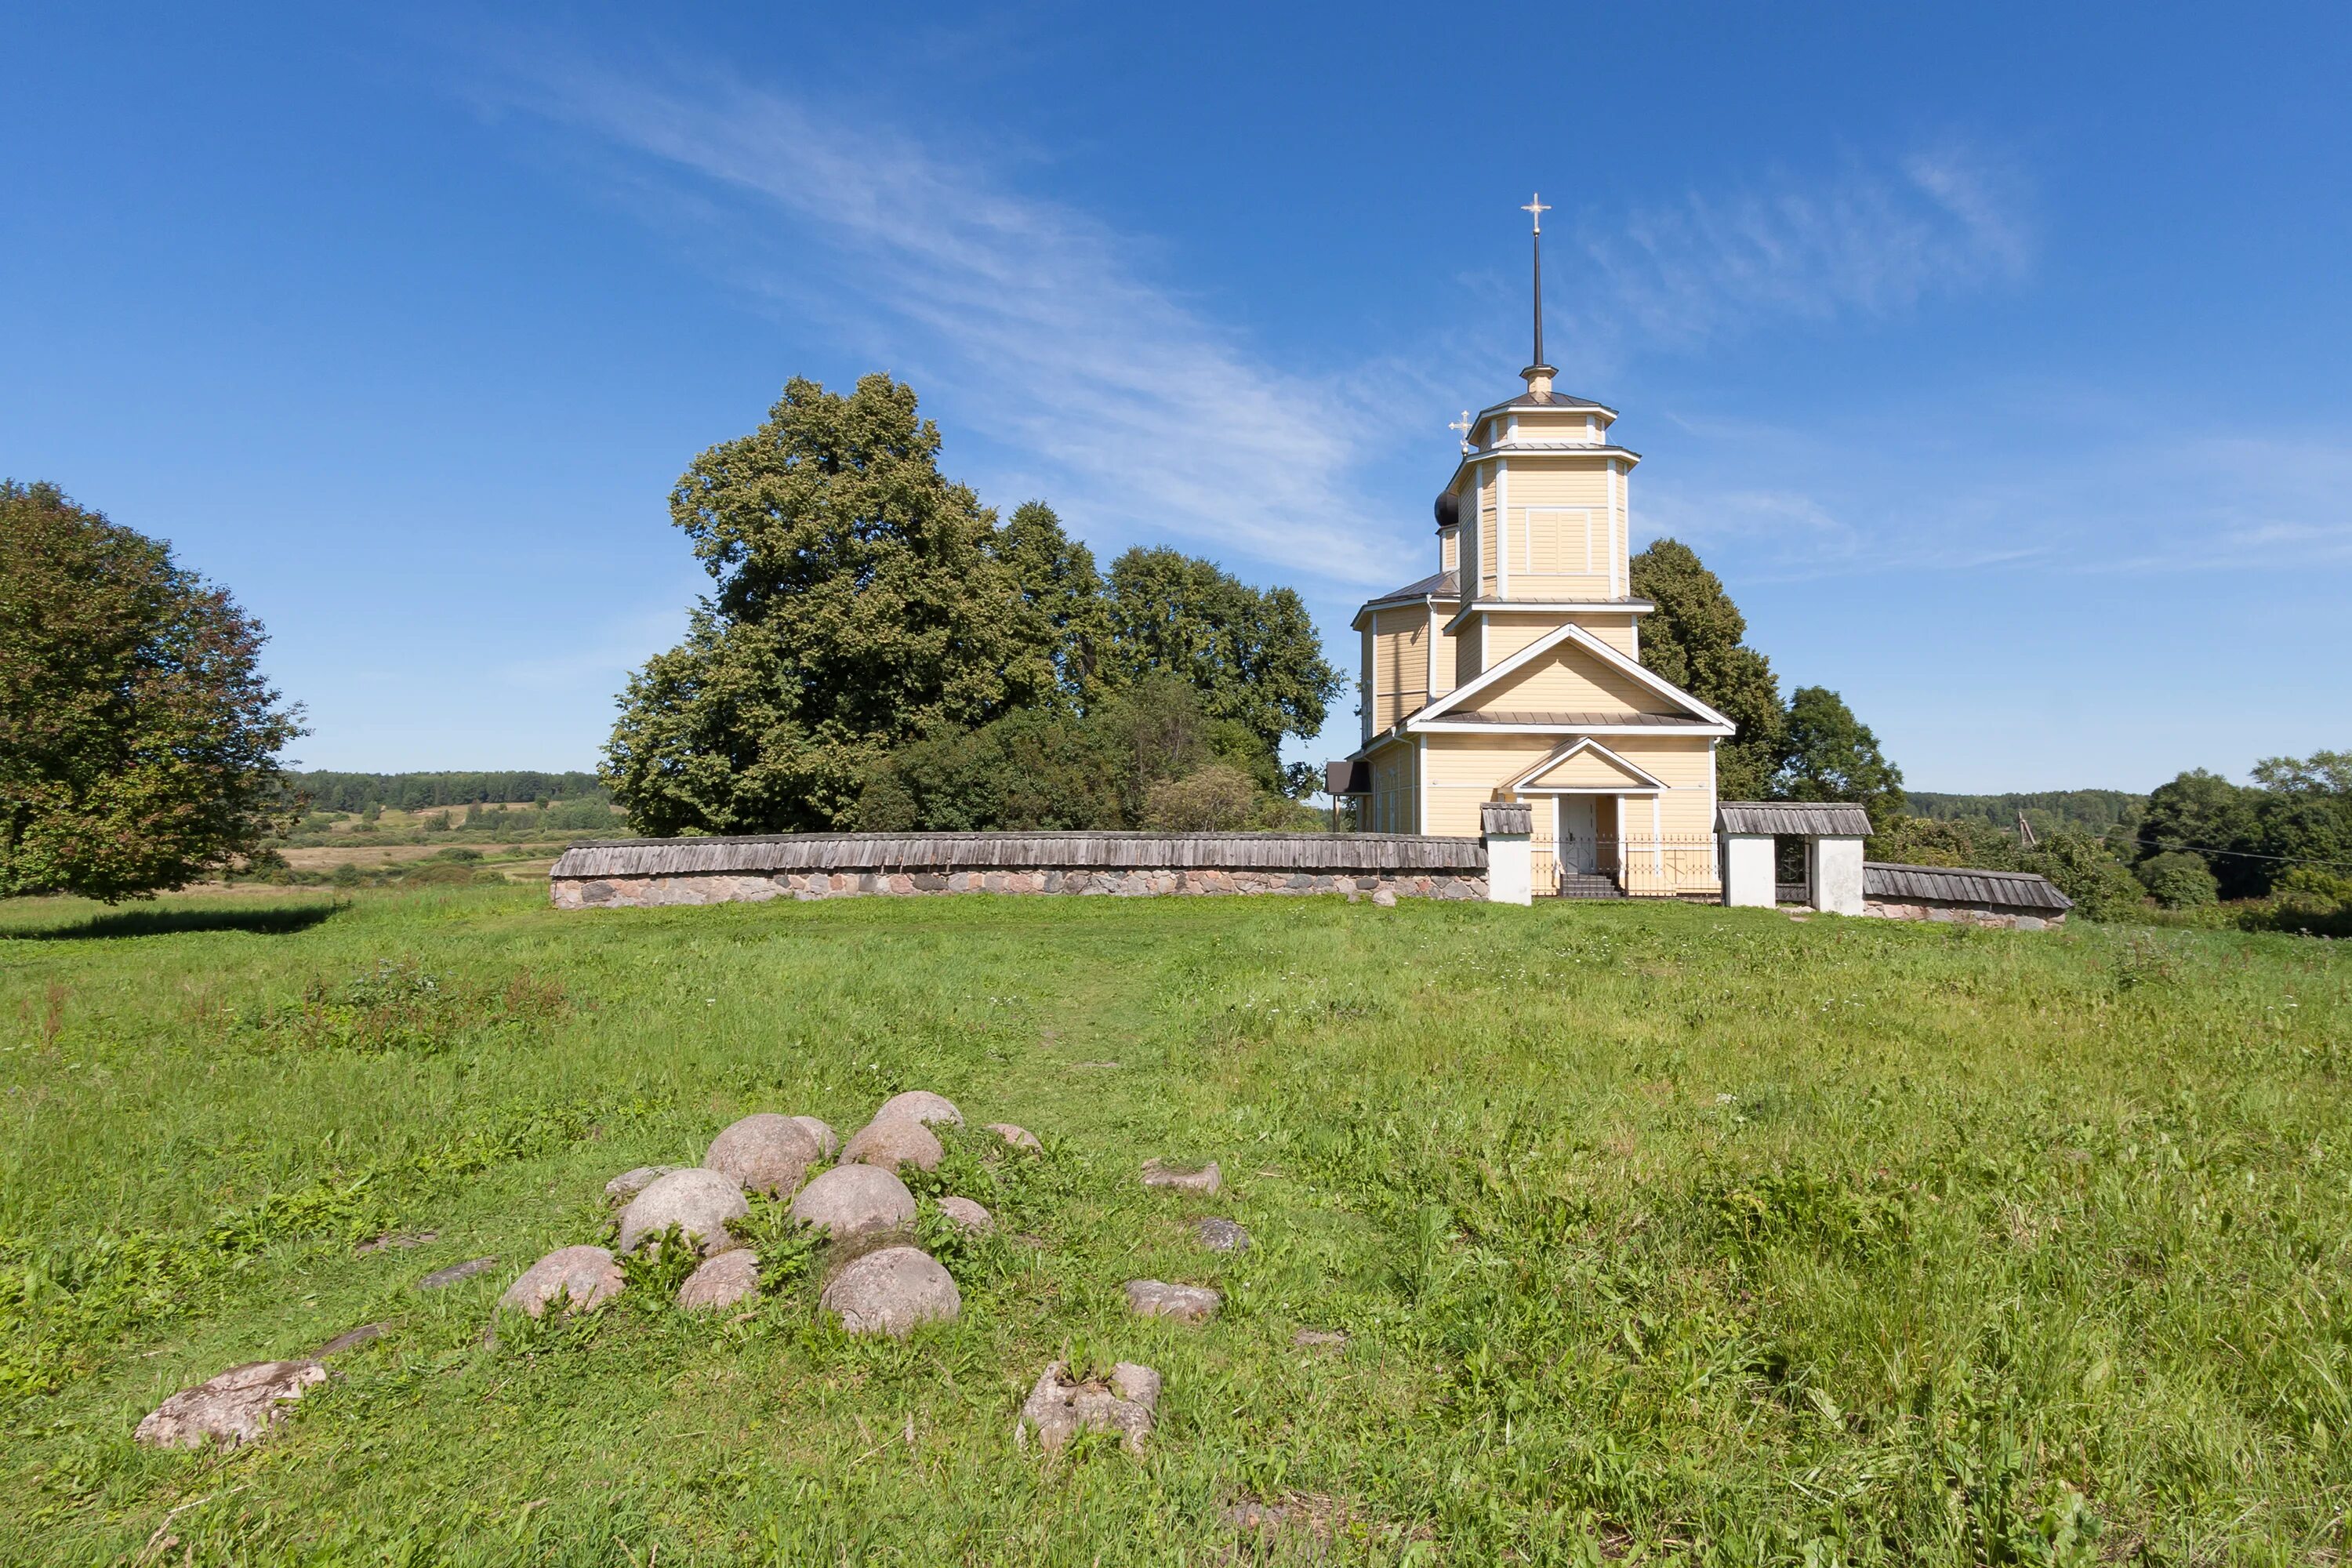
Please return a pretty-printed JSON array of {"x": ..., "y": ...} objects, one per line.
[
  {"x": 139, "y": 741},
  {"x": 2297, "y": 813},
  {"x": 1695, "y": 639},
  {"x": 1827, "y": 753},
  {"x": 876, "y": 641}
]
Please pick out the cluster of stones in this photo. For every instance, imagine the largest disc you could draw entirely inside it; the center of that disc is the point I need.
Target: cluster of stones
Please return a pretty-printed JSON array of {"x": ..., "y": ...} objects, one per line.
[
  {"x": 721, "y": 888},
  {"x": 885, "y": 1290},
  {"x": 888, "y": 1289}
]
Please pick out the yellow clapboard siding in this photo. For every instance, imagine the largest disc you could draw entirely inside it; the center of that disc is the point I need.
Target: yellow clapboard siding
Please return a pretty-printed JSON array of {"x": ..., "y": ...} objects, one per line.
[
  {"x": 1587, "y": 769},
  {"x": 1570, "y": 679}
]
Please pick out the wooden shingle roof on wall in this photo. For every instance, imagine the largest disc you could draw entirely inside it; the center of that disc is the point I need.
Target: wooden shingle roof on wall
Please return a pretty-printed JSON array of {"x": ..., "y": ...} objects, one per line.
[
  {"x": 1827, "y": 818},
  {"x": 2000, "y": 889},
  {"x": 1008, "y": 851}
]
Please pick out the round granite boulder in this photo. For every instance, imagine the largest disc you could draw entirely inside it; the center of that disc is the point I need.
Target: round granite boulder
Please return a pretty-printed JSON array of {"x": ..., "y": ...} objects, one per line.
[
  {"x": 828, "y": 1141},
  {"x": 1018, "y": 1137},
  {"x": 894, "y": 1141},
  {"x": 764, "y": 1153},
  {"x": 891, "y": 1292},
  {"x": 921, "y": 1105},
  {"x": 581, "y": 1276},
  {"x": 967, "y": 1214},
  {"x": 699, "y": 1202},
  {"x": 851, "y": 1200},
  {"x": 629, "y": 1184},
  {"x": 722, "y": 1281}
]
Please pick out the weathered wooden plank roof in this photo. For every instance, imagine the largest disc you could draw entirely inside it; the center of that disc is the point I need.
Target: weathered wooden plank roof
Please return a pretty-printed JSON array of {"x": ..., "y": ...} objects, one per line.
[
  {"x": 1507, "y": 817},
  {"x": 1962, "y": 885},
  {"x": 1828, "y": 818},
  {"x": 1008, "y": 851}
]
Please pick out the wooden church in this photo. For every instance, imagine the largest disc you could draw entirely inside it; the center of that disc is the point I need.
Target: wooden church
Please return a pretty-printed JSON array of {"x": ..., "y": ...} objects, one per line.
[{"x": 1513, "y": 671}]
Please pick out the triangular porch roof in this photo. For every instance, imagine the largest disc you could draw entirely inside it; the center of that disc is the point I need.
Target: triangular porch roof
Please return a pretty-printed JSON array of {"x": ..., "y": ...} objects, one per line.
[{"x": 1585, "y": 767}]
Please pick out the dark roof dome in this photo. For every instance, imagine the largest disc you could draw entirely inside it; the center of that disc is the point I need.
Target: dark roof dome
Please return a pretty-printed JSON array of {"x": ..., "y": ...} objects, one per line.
[{"x": 1449, "y": 510}]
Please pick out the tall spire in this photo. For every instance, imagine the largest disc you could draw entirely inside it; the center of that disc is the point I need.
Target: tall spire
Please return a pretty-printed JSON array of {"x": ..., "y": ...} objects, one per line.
[{"x": 1538, "y": 374}]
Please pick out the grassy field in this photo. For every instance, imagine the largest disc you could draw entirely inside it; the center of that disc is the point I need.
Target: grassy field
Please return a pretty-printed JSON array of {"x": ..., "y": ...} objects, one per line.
[{"x": 1659, "y": 1234}]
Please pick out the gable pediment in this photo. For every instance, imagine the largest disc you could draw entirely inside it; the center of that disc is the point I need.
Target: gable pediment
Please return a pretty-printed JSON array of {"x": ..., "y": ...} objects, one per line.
[
  {"x": 1584, "y": 765},
  {"x": 1570, "y": 671}
]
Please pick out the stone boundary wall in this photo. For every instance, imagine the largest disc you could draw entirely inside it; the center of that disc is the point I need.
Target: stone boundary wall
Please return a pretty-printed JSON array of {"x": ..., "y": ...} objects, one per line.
[
  {"x": 1946, "y": 909},
  {"x": 658, "y": 872}
]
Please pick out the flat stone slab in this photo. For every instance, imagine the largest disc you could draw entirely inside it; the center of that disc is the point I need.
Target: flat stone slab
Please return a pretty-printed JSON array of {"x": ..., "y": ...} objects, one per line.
[
  {"x": 921, "y": 1105},
  {"x": 1207, "y": 1179},
  {"x": 402, "y": 1241},
  {"x": 853, "y": 1200},
  {"x": 892, "y": 1141},
  {"x": 699, "y": 1202},
  {"x": 764, "y": 1153},
  {"x": 891, "y": 1292},
  {"x": 722, "y": 1281},
  {"x": 1185, "y": 1303},
  {"x": 581, "y": 1276},
  {"x": 1018, "y": 1136},
  {"x": 1058, "y": 1409},
  {"x": 1221, "y": 1235},
  {"x": 241, "y": 1406},
  {"x": 967, "y": 1214},
  {"x": 350, "y": 1340},
  {"x": 629, "y": 1184},
  {"x": 1308, "y": 1339},
  {"x": 441, "y": 1278}
]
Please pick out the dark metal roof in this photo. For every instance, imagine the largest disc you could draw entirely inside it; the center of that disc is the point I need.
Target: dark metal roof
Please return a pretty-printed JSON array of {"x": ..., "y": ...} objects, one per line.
[
  {"x": 1828, "y": 818},
  {"x": 1572, "y": 721},
  {"x": 769, "y": 854},
  {"x": 1437, "y": 586},
  {"x": 1544, "y": 400},
  {"x": 1963, "y": 885}
]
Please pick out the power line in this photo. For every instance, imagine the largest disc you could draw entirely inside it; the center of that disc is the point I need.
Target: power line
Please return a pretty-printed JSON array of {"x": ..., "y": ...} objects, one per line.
[{"x": 2245, "y": 854}]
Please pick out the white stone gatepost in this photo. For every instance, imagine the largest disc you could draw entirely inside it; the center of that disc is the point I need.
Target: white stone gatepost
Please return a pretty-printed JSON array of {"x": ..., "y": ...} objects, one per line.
[
  {"x": 1748, "y": 870},
  {"x": 1836, "y": 872},
  {"x": 1509, "y": 829}
]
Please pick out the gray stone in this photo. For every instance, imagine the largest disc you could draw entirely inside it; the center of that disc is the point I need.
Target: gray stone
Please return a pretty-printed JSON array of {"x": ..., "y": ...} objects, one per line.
[
  {"x": 921, "y": 1105},
  {"x": 967, "y": 1214},
  {"x": 350, "y": 1340},
  {"x": 851, "y": 1200},
  {"x": 240, "y": 1405},
  {"x": 1058, "y": 1409},
  {"x": 828, "y": 1143},
  {"x": 401, "y": 1242},
  {"x": 892, "y": 1141},
  {"x": 582, "y": 1277},
  {"x": 1185, "y": 1303},
  {"x": 1308, "y": 1339},
  {"x": 629, "y": 1184},
  {"x": 764, "y": 1153},
  {"x": 1207, "y": 1179},
  {"x": 1385, "y": 899},
  {"x": 1221, "y": 1235},
  {"x": 722, "y": 1281},
  {"x": 699, "y": 1202},
  {"x": 441, "y": 1278},
  {"x": 891, "y": 1290},
  {"x": 1018, "y": 1137}
]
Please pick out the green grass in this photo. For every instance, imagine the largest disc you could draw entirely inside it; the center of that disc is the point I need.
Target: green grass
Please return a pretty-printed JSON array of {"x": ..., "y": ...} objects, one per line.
[{"x": 1662, "y": 1234}]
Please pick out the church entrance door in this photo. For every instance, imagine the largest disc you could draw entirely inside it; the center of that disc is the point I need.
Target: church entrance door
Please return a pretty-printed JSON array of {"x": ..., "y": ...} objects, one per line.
[{"x": 1579, "y": 838}]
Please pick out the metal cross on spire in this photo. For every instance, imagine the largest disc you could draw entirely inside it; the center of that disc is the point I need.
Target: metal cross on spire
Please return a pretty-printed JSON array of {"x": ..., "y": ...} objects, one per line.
[
  {"x": 1463, "y": 425},
  {"x": 1538, "y": 209}
]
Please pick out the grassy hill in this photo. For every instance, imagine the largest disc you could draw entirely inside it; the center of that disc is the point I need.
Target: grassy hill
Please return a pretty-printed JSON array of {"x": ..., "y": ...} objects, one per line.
[{"x": 1658, "y": 1232}]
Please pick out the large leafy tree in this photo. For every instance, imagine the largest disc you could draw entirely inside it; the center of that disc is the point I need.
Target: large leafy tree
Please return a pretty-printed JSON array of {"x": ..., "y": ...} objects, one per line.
[
  {"x": 1062, "y": 594},
  {"x": 139, "y": 742},
  {"x": 1827, "y": 753},
  {"x": 1251, "y": 654},
  {"x": 860, "y": 600},
  {"x": 1696, "y": 640}
]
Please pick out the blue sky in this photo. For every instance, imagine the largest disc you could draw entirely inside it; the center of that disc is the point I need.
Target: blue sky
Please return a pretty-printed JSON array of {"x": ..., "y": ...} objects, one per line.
[{"x": 1995, "y": 358}]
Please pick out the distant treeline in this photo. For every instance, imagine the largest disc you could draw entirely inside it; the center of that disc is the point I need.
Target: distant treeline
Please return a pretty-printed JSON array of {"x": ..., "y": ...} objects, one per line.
[
  {"x": 2092, "y": 811},
  {"x": 423, "y": 791}
]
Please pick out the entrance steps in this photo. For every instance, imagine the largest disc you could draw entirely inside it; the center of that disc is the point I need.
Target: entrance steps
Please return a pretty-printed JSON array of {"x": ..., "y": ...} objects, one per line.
[{"x": 1589, "y": 885}]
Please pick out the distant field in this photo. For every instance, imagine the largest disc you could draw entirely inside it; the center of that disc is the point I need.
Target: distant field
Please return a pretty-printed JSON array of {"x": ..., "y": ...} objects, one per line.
[{"x": 1661, "y": 1233}]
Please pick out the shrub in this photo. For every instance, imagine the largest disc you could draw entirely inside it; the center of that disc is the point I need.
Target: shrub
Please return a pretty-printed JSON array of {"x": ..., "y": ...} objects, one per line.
[
  {"x": 1216, "y": 798},
  {"x": 2179, "y": 880}
]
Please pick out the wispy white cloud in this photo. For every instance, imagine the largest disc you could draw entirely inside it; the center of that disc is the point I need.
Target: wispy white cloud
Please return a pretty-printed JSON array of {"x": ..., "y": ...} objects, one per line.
[
  {"x": 1033, "y": 322},
  {"x": 1870, "y": 240}
]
